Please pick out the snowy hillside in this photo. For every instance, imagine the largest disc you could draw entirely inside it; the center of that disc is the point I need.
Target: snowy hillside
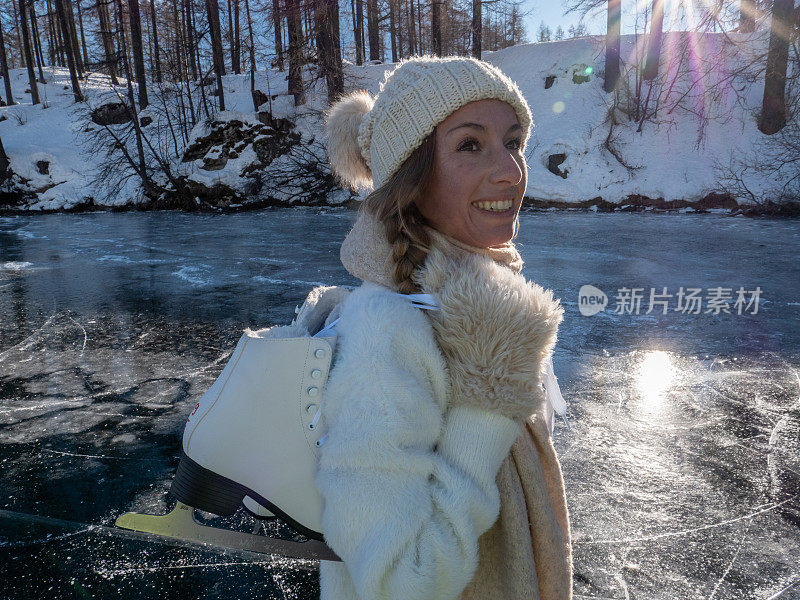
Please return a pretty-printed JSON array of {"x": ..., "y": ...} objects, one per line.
[{"x": 706, "y": 119}]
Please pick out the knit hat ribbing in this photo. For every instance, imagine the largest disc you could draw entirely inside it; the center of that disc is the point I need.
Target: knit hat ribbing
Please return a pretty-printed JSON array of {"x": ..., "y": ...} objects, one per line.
[{"x": 415, "y": 97}]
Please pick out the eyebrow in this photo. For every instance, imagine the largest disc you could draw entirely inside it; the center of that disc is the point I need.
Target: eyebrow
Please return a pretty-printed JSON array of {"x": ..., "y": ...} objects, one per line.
[{"x": 514, "y": 127}]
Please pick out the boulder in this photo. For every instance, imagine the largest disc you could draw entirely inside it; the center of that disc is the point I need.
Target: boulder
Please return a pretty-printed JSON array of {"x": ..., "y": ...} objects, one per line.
[{"x": 112, "y": 113}]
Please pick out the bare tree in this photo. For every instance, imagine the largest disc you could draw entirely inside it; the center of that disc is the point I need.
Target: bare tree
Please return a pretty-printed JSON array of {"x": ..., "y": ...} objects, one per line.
[
  {"x": 477, "y": 21},
  {"x": 326, "y": 15},
  {"x": 28, "y": 55},
  {"x": 295, "y": 52},
  {"x": 276, "y": 21},
  {"x": 747, "y": 20},
  {"x": 73, "y": 74},
  {"x": 654, "y": 42},
  {"x": 372, "y": 30},
  {"x": 216, "y": 41},
  {"x": 108, "y": 40},
  {"x": 37, "y": 45},
  {"x": 83, "y": 37},
  {"x": 156, "y": 58},
  {"x": 138, "y": 55},
  {"x": 4, "y": 69},
  {"x": 612, "y": 46},
  {"x": 436, "y": 27},
  {"x": 773, "y": 106}
]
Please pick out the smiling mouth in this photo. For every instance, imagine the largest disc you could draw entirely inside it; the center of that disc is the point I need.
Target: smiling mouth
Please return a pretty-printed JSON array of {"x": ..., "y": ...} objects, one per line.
[{"x": 494, "y": 206}]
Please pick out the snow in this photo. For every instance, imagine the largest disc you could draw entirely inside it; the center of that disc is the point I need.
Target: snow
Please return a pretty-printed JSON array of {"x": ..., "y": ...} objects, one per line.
[{"x": 673, "y": 158}]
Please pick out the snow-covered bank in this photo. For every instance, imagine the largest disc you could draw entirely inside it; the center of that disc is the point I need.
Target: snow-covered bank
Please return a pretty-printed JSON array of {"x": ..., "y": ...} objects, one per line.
[{"x": 575, "y": 156}]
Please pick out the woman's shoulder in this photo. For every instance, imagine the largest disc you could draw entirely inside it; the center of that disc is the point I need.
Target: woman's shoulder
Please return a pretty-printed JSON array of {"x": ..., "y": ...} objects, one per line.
[{"x": 376, "y": 307}]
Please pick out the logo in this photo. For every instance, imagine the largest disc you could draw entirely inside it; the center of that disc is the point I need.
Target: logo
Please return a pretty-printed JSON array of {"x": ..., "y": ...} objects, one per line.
[{"x": 591, "y": 300}]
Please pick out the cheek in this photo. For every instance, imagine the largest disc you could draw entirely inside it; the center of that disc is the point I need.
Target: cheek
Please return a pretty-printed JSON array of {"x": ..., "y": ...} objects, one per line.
[{"x": 457, "y": 178}]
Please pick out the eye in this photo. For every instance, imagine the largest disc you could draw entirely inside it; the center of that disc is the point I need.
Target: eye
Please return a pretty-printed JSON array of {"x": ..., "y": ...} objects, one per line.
[
  {"x": 468, "y": 145},
  {"x": 514, "y": 144}
]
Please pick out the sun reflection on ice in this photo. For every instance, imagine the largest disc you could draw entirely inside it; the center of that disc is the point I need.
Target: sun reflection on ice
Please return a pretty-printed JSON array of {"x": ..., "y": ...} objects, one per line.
[{"x": 654, "y": 376}]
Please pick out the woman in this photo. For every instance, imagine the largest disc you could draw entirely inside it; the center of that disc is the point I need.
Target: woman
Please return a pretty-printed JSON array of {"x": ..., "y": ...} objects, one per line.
[{"x": 438, "y": 473}]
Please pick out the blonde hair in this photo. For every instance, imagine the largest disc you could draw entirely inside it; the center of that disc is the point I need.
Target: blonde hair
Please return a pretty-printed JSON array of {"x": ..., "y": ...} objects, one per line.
[{"x": 395, "y": 205}]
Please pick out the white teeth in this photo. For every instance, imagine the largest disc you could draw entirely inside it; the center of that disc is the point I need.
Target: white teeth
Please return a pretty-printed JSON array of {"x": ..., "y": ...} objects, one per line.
[{"x": 499, "y": 206}]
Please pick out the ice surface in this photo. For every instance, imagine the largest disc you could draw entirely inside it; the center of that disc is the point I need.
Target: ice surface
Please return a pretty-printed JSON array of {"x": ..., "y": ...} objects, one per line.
[{"x": 682, "y": 466}]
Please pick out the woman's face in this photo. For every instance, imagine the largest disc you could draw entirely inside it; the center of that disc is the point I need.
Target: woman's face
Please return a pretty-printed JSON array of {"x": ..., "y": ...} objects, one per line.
[{"x": 479, "y": 174}]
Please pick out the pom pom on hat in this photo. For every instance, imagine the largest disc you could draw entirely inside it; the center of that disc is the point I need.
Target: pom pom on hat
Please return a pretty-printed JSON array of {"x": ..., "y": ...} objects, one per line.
[{"x": 341, "y": 131}]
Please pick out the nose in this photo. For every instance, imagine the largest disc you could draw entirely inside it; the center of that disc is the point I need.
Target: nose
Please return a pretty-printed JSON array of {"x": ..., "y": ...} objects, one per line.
[{"x": 506, "y": 171}]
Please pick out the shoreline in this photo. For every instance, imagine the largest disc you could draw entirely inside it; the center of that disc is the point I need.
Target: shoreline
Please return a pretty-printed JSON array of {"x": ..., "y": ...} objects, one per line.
[{"x": 711, "y": 204}]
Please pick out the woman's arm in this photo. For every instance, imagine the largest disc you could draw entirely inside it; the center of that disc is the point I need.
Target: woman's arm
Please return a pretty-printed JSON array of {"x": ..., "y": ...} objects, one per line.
[{"x": 403, "y": 512}]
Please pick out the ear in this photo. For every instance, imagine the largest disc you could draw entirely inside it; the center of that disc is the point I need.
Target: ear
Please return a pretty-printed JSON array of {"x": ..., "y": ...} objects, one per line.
[{"x": 341, "y": 131}]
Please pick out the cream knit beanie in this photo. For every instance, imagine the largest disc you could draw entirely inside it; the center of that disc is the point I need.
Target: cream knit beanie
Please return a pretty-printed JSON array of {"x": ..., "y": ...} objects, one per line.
[{"x": 369, "y": 138}]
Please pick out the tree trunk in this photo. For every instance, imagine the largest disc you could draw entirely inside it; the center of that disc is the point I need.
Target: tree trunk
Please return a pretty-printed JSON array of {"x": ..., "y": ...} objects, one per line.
[
  {"x": 436, "y": 27},
  {"x": 83, "y": 38},
  {"x": 477, "y": 28},
  {"x": 295, "y": 52},
  {"x": 73, "y": 38},
  {"x": 188, "y": 10},
  {"x": 654, "y": 43},
  {"x": 155, "y": 40},
  {"x": 359, "y": 32},
  {"x": 612, "y": 46},
  {"x": 26, "y": 42},
  {"x": 231, "y": 45},
  {"x": 747, "y": 16},
  {"x": 372, "y": 29},
  {"x": 132, "y": 105},
  {"x": 62, "y": 59},
  {"x": 276, "y": 20},
  {"x": 331, "y": 50},
  {"x": 4, "y": 69},
  {"x": 412, "y": 29},
  {"x": 138, "y": 54},
  {"x": 16, "y": 26},
  {"x": 180, "y": 42},
  {"x": 51, "y": 35},
  {"x": 37, "y": 44},
  {"x": 237, "y": 42},
  {"x": 253, "y": 60},
  {"x": 73, "y": 74},
  {"x": 393, "y": 28},
  {"x": 4, "y": 163},
  {"x": 216, "y": 41},
  {"x": 773, "y": 107},
  {"x": 108, "y": 40}
]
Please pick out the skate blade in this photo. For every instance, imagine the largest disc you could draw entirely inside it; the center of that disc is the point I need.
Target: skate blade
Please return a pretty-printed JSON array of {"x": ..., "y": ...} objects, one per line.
[{"x": 181, "y": 524}]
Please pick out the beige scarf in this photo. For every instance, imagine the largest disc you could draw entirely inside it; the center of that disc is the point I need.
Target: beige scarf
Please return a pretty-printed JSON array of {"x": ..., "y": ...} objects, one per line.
[{"x": 526, "y": 554}]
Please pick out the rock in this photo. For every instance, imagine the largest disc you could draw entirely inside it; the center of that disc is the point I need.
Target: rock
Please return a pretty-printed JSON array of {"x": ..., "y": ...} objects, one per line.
[
  {"x": 145, "y": 121},
  {"x": 548, "y": 81},
  {"x": 581, "y": 73},
  {"x": 43, "y": 166},
  {"x": 259, "y": 98},
  {"x": 553, "y": 162},
  {"x": 113, "y": 113}
]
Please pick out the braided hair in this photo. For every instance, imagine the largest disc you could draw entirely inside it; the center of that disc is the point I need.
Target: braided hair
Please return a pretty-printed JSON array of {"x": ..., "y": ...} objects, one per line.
[{"x": 395, "y": 205}]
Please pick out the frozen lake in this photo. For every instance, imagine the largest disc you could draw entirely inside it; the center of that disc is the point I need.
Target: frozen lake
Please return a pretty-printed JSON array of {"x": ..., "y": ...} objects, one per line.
[{"x": 682, "y": 464}]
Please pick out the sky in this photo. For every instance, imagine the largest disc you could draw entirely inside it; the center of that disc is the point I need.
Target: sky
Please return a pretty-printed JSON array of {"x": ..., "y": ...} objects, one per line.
[{"x": 552, "y": 13}]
